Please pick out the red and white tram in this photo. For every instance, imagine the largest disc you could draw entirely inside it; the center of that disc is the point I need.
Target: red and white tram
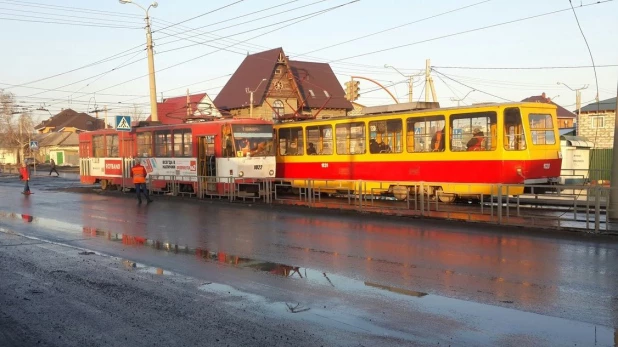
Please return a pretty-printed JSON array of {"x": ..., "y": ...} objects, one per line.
[{"x": 219, "y": 151}]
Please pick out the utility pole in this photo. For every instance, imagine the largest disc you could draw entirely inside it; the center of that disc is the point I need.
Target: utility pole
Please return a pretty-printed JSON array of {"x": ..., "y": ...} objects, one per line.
[
  {"x": 105, "y": 120},
  {"x": 578, "y": 102},
  {"x": 151, "y": 69},
  {"x": 613, "y": 192},
  {"x": 410, "y": 81},
  {"x": 250, "y": 92},
  {"x": 429, "y": 87}
]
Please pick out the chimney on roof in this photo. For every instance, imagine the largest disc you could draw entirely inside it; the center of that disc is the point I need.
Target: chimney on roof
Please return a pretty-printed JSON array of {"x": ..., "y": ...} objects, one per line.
[{"x": 544, "y": 96}]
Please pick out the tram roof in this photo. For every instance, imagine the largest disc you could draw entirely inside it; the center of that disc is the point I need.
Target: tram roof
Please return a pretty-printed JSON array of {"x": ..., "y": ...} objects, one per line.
[{"x": 469, "y": 108}]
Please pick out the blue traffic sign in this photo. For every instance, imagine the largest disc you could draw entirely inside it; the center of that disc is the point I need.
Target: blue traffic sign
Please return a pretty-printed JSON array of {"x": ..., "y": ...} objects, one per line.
[
  {"x": 34, "y": 144},
  {"x": 123, "y": 123}
]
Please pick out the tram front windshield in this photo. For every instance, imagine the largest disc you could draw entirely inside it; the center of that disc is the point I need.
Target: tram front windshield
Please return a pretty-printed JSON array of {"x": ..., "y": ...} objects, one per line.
[{"x": 253, "y": 140}]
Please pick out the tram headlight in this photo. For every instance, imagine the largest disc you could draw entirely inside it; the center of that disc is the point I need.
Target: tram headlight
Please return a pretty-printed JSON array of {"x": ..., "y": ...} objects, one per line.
[
  {"x": 241, "y": 173},
  {"x": 271, "y": 172}
]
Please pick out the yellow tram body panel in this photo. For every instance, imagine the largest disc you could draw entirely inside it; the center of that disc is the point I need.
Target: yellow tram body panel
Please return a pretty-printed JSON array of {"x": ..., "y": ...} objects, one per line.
[{"x": 464, "y": 150}]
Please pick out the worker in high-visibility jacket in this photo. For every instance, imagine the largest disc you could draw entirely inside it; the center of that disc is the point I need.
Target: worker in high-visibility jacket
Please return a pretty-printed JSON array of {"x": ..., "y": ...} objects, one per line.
[
  {"x": 24, "y": 175},
  {"x": 138, "y": 172}
]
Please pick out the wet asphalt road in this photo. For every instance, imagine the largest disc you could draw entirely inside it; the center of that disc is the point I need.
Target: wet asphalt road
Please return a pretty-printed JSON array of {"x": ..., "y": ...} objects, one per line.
[{"x": 415, "y": 282}]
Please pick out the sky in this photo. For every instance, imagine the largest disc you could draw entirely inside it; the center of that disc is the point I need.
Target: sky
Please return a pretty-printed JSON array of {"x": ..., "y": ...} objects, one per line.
[{"x": 86, "y": 54}]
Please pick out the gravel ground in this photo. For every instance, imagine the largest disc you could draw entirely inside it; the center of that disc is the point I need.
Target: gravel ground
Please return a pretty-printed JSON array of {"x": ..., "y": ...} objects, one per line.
[{"x": 56, "y": 295}]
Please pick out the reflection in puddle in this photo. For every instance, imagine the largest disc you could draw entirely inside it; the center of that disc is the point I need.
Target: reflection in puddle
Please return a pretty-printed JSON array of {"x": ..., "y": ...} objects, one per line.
[
  {"x": 276, "y": 269},
  {"x": 396, "y": 290}
]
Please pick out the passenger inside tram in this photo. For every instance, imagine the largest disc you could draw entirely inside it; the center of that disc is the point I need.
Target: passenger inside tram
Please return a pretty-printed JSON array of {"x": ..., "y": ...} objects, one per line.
[
  {"x": 476, "y": 142},
  {"x": 437, "y": 141},
  {"x": 374, "y": 147},
  {"x": 311, "y": 149}
]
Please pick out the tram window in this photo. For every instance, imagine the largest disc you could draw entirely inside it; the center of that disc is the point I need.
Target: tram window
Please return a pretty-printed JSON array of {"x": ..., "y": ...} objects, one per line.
[
  {"x": 425, "y": 134},
  {"x": 291, "y": 141},
  {"x": 542, "y": 129},
  {"x": 182, "y": 143},
  {"x": 514, "y": 137},
  {"x": 385, "y": 136},
  {"x": 350, "y": 138},
  {"x": 98, "y": 147},
  {"x": 144, "y": 145},
  {"x": 473, "y": 131},
  {"x": 112, "y": 145},
  {"x": 321, "y": 136},
  {"x": 163, "y": 144}
]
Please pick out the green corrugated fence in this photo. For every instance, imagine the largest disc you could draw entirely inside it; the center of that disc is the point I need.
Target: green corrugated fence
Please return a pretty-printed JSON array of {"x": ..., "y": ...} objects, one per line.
[{"x": 600, "y": 164}]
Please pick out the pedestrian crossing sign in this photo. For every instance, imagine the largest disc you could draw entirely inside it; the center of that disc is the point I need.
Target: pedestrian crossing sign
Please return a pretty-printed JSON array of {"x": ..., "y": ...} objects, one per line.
[
  {"x": 123, "y": 123},
  {"x": 34, "y": 144}
]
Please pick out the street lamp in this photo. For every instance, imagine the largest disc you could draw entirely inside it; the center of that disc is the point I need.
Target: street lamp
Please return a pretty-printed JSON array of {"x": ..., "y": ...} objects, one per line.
[
  {"x": 151, "y": 70},
  {"x": 248, "y": 91},
  {"x": 410, "y": 80},
  {"x": 578, "y": 101},
  {"x": 462, "y": 99}
]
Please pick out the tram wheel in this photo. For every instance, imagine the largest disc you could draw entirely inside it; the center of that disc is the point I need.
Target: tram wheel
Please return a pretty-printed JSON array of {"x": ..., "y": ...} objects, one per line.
[
  {"x": 445, "y": 198},
  {"x": 400, "y": 193},
  {"x": 104, "y": 184}
]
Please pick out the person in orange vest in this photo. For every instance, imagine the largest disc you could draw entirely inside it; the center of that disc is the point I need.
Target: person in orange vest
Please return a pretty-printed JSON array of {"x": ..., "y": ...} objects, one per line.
[
  {"x": 138, "y": 172},
  {"x": 437, "y": 142},
  {"x": 24, "y": 175},
  {"x": 476, "y": 142}
]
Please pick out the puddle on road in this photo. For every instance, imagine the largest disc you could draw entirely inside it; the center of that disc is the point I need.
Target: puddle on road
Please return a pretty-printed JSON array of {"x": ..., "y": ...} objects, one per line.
[
  {"x": 512, "y": 321},
  {"x": 276, "y": 269},
  {"x": 220, "y": 257}
]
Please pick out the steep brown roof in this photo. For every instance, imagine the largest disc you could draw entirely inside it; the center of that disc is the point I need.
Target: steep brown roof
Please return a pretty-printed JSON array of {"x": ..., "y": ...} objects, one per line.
[
  {"x": 317, "y": 77},
  {"x": 249, "y": 74},
  {"x": 70, "y": 118},
  {"x": 561, "y": 111},
  {"x": 320, "y": 79}
]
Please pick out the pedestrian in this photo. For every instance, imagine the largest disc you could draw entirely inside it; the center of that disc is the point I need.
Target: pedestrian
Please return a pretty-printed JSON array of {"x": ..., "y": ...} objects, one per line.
[
  {"x": 138, "y": 172},
  {"x": 24, "y": 175},
  {"x": 52, "y": 163}
]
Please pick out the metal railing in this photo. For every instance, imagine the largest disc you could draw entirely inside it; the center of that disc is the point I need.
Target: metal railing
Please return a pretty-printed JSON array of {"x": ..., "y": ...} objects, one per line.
[{"x": 566, "y": 207}]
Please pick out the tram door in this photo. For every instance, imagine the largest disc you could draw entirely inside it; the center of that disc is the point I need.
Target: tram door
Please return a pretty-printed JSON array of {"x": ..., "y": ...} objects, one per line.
[{"x": 207, "y": 162}]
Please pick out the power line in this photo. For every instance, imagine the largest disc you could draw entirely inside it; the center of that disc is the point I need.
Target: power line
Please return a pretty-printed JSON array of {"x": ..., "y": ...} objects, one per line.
[
  {"x": 119, "y": 55},
  {"x": 309, "y": 15},
  {"x": 250, "y": 21},
  {"x": 237, "y": 17},
  {"x": 67, "y": 8},
  {"x": 465, "y": 85},
  {"x": 226, "y": 48},
  {"x": 396, "y": 27},
  {"x": 104, "y": 60},
  {"x": 202, "y": 15},
  {"x": 65, "y": 16},
  {"x": 467, "y": 31},
  {"x": 67, "y": 23},
  {"x": 523, "y": 68}
]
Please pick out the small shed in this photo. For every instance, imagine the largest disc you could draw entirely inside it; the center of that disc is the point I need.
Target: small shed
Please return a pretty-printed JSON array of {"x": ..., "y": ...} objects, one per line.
[{"x": 575, "y": 152}]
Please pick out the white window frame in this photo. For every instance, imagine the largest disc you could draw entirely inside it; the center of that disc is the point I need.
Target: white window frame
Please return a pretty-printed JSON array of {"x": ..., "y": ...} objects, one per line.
[{"x": 592, "y": 122}]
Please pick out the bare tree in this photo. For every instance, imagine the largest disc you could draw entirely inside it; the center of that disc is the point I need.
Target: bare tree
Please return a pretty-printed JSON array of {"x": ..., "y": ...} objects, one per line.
[
  {"x": 16, "y": 124},
  {"x": 136, "y": 113}
]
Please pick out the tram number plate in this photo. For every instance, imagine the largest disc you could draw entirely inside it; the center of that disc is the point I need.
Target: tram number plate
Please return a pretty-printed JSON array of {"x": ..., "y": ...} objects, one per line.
[
  {"x": 257, "y": 167},
  {"x": 324, "y": 165}
]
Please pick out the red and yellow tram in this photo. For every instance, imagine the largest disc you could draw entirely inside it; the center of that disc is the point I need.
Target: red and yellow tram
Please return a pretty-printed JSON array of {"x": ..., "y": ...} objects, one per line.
[
  {"x": 219, "y": 151},
  {"x": 463, "y": 151}
]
